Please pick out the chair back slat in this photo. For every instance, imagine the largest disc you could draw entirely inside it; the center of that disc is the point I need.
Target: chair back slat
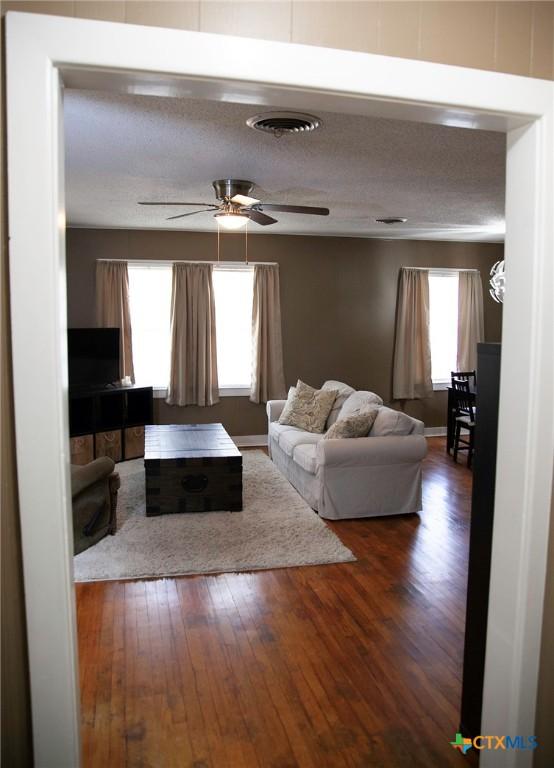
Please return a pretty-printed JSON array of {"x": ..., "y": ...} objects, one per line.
[
  {"x": 463, "y": 398},
  {"x": 464, "y": 376}
]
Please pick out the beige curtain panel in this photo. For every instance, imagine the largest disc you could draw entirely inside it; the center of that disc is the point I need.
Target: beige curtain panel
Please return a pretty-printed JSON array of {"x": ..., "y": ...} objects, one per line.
[
  {"x": 470, "y": 319},
  {"x": 112, "y": 309},
  {"x": 193, "y": 369},
  {"x": 268, "y": 378},
  {"x": 412, "y": 348}
]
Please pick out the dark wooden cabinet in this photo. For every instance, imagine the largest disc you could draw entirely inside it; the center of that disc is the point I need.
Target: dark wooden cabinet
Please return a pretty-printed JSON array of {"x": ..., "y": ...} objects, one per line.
[
  {"x": 109, "y": 422},
  {"x": 480, "y": 541}
]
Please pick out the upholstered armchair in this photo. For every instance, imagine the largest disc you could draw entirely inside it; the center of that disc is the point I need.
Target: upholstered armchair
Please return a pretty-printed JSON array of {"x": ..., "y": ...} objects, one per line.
[{"x": 94, "y": 489}]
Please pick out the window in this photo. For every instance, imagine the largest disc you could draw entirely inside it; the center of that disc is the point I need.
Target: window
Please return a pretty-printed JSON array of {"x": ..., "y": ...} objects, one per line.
[
  {"x": 233, "y": 289},
  {"x": 150, "y": 304},
  {"x": 443, "y": 324}
]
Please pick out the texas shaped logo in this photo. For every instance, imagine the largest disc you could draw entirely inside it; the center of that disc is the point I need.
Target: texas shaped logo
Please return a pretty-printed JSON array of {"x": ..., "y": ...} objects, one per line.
[{"x": 462, "y": 744}]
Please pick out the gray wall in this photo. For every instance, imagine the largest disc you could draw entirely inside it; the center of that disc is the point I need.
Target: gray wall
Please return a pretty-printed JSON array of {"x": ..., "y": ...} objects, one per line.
[{"x": 338, "y": 301}]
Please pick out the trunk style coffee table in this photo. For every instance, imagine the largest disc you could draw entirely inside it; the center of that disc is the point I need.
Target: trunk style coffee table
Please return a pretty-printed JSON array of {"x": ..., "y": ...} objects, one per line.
[{"x": 191, "y": 468}]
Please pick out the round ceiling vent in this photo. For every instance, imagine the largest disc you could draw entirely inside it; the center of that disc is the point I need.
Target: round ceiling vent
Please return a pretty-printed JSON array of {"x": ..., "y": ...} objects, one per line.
[{"x": 281, "y": 123}]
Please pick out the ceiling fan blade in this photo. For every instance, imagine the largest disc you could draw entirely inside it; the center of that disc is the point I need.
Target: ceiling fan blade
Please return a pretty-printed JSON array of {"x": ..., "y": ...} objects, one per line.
[
  {"x": 244, "y": 200},
  {"x": 168, "y": 203},
  {"x": 192, "y": 213},
  {"x": 295, "y": 209},
  {"x": 259, "y": 217}
]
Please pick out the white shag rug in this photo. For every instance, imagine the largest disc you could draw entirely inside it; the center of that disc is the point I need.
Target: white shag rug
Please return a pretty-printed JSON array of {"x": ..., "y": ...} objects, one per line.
[{"x": 276, "y": 529}]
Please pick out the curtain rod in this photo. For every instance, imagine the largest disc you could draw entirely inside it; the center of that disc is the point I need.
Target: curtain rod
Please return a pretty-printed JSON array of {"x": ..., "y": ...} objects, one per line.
[
  {"x": 158, "y": 262},
  {"x": 440, "y": 269}
]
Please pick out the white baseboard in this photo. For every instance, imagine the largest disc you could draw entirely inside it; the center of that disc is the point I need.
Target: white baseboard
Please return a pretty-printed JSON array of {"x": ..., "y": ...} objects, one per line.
[
  {"x": 249, "y": 441},
  {"x": 435, "y": 432}
]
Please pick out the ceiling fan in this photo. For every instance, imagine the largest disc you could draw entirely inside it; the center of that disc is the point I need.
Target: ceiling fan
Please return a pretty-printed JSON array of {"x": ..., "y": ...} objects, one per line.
[{"x": 235, "y": 207}]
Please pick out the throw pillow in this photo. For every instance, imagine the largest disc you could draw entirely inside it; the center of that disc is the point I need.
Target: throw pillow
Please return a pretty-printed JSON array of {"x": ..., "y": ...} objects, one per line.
[
  {"x": 307, "y": 408},
  {"x": 390, "y": 422},
  {"x": 353, "y": 426},
  {"x": 343, "y": 392},
  {"x": 359, "y": 402}
]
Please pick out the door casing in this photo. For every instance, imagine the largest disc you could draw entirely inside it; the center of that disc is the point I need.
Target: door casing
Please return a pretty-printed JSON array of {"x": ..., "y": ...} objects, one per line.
[{"x": 46, "y": 54}]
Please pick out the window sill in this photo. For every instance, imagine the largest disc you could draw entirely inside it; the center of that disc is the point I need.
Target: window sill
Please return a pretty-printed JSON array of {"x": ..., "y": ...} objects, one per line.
[
  {"x": 160, "y": 393},
  {"x": 440, "y": 386},
  {"x": 234, "y": 392}
]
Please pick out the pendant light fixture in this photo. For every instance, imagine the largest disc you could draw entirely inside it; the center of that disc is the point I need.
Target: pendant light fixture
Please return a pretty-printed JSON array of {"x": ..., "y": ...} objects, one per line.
[{"x": 497, "y": 282}]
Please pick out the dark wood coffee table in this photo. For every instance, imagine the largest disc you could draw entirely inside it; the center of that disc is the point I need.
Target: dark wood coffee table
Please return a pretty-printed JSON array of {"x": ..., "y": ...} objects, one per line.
[{"x": 191, "y": 468}]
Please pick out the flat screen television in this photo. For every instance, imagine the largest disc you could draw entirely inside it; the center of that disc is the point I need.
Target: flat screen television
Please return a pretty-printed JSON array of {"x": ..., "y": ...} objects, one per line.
[{"x": 93, "y": 356}]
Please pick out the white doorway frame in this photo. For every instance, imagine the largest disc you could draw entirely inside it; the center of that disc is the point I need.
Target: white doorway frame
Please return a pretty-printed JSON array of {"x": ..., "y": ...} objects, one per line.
[{"x": 42, "y": 53}]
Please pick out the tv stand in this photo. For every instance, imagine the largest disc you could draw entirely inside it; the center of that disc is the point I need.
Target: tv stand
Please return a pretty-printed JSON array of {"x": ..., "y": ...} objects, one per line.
[{"x": 108, "y": 421}]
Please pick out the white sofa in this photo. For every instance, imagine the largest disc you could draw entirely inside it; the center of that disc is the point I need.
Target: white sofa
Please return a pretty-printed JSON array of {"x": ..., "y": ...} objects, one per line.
[{"x": 354, "y": 477}]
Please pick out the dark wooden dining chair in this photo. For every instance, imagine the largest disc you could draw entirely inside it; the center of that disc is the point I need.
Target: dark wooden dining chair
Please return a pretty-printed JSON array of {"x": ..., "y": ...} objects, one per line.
[
  {"x": 470, "y": 376},
  {"x": 464, "y": 419}
]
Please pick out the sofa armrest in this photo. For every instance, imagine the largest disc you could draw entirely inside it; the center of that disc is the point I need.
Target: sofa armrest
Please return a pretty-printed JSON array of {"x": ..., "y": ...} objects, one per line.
[
  {"x": 274, "y": 408},
  {"x": 419, "y": 427},
  {"x": 83, "y": 477},
  {"x": 371, "y": 451}
]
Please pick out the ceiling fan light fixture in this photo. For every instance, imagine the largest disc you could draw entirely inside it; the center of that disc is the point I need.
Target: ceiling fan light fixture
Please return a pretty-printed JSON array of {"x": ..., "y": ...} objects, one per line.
[
  {"x": 230, "y": 220},
  {"x": 236, "y": 206}
]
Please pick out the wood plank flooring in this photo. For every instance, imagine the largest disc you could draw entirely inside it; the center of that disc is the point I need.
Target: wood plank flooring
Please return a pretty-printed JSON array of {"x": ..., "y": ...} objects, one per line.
[{"x": 347, "y": 665}]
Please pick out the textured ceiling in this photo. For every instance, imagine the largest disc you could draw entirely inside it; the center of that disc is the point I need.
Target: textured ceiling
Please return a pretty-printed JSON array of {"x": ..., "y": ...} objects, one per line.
[{"x": 448, "y": 182}]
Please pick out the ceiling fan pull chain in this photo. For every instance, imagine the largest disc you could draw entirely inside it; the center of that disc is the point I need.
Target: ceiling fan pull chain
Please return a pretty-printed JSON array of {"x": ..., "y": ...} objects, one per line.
[{"x": 246, "y": 242}]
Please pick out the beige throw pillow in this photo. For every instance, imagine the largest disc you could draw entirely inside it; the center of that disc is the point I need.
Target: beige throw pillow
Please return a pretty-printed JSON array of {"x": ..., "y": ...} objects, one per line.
[
  {"x": 352, "y": 426},
  {"x": 359, "y": 402},
  {"x": 343, "y": 392},
  {"x": 390, "y": 422},
  {"x": 307, "y": 408}
]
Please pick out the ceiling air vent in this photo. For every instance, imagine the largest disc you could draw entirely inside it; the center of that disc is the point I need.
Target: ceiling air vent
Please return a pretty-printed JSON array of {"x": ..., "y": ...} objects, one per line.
[
  {"x": 391, "y": 220},
  {"x": 281, "y": 123}
]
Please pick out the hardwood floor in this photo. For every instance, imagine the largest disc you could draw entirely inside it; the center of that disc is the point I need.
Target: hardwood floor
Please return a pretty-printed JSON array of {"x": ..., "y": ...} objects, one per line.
[{"x": 355, "y": 664}]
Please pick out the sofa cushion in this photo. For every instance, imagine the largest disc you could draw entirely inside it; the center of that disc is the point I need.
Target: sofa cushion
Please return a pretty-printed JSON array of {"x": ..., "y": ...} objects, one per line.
[
  {"x": 391, "y": 422},
  {"x": 343, "y": 390},
  {"x": 353, "y": 426},
  {"x": 359, "y": 402},
  {"x": 305, "y": 457},
  {"x": 289, "y": 441},
  {"x": 308, "y": 408},
  {"x": 276, "y": 430}
]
